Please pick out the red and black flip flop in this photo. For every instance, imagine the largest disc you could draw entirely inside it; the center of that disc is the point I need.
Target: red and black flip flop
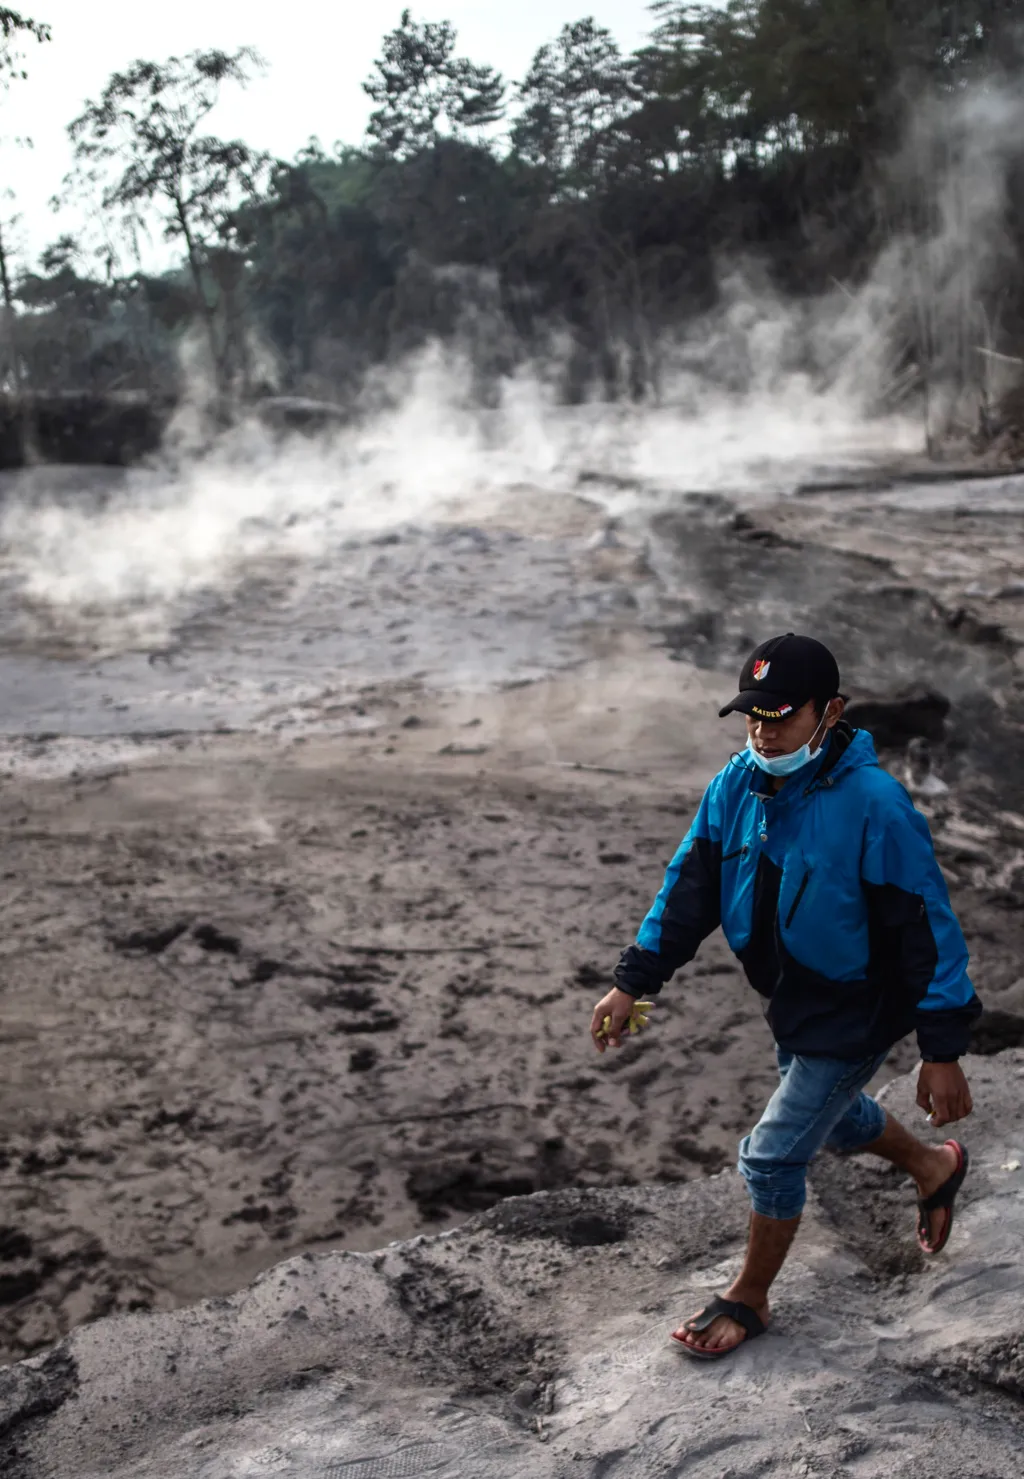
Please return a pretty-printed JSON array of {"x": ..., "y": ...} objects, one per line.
[
  {"x": 741, "y": 1313},
  {"x": 944, "y": 1198}
]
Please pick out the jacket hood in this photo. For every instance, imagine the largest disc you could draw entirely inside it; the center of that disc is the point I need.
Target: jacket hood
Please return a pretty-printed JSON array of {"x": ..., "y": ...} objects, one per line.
[{"x": 849, "y": 749}]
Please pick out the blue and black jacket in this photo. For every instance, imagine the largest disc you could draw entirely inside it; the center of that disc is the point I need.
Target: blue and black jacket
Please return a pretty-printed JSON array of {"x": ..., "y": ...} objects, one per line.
[{"x": 830, "y": 895}]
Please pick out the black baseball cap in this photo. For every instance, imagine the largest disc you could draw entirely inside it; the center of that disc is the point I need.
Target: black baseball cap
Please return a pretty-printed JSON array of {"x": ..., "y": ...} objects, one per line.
[{"x": 782, "y": 675}]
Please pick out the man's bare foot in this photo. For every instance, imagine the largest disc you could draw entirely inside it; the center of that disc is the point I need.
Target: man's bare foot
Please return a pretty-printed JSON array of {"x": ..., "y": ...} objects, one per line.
[
  {"x": 944, "y": 1165},
  {"x": 723, "y": 1334}
]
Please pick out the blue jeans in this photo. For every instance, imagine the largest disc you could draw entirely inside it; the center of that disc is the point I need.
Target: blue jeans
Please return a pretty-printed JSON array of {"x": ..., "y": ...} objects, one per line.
[{"x": 819, "y": 1102}]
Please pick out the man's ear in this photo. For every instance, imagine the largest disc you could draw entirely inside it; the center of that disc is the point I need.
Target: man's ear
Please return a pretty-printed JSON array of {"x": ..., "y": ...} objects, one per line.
[{"x": 835, "y": 711}]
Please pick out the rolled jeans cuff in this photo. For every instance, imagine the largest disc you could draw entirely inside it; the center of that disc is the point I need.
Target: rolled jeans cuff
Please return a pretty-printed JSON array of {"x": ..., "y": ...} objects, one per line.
[
  {"x": 777, "y": 1191},
  {"x": 818, "y": 1102},
  {"x": 782, "y": 1206}
]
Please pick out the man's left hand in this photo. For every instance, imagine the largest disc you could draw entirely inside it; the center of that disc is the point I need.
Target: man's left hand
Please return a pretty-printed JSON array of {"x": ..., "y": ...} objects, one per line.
[{"x": 943, "y": 1092}]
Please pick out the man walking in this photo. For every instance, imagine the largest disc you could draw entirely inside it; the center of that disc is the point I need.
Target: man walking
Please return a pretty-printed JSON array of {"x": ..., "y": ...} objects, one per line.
[{"x": 822, "y": 875}]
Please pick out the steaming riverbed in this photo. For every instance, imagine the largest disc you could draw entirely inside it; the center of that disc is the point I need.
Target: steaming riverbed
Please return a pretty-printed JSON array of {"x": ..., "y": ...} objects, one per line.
[{"x": 277, "y": 617}]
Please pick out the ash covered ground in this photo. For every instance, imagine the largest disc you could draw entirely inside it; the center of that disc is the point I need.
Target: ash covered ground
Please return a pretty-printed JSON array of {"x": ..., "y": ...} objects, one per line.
[{"x": 317, "y": 859}]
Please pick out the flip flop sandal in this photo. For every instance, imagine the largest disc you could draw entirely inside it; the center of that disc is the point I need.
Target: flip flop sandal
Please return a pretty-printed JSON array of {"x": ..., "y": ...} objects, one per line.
[
  {"x": 944, "y": 1198},
  {"x": 741, "y": 1313}
]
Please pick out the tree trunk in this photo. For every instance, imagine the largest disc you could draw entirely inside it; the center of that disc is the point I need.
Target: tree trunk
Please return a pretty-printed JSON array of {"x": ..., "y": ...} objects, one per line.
[
  {"x": 209, "y": 317},
  {"x": 12, "y": 368}
]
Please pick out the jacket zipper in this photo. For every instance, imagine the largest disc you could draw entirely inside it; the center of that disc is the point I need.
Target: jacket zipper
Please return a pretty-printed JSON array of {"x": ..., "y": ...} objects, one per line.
[
  {"x": 740, "y": 852},
  {"x": 799, "y": 895}
]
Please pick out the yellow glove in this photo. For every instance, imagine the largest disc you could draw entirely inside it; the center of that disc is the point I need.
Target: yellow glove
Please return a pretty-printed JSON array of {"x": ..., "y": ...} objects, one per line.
[{"x": 638, "y": 1019}]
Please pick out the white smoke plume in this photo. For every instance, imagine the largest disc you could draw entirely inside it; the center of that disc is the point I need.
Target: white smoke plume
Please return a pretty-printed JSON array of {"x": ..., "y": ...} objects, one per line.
[
  {"x": 937, "y": 281},
  {"x": 762, "y": 394},
  {"x": 171, "y": 531}
]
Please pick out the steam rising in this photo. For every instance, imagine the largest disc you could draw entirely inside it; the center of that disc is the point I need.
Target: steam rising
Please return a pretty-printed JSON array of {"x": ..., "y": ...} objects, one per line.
[
  {"x": 729, "y": 418},
  {"x": 752, "y": 399},
  {"x": 950, "y": 251}
]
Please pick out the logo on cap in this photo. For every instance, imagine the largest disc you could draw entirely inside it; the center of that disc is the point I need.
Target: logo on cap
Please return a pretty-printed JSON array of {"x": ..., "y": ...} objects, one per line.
[{"x": 761, "y": 670}]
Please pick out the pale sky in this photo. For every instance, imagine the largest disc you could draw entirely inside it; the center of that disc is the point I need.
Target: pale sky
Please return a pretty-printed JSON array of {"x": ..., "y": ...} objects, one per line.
[{"x": 318, "y": 54}]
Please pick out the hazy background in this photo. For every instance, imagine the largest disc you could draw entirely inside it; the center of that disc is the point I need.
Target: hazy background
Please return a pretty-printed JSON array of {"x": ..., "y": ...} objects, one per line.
[
  {"x": 706, "y": 249},
  {"x": 318, "y": 55}
]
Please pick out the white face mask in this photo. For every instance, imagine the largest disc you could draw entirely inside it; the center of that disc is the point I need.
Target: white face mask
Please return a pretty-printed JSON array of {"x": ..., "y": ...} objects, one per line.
[{"x": 785, "y": 765}]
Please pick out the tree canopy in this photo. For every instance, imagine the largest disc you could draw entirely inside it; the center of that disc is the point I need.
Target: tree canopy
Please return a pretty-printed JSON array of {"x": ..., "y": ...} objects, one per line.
[
  {"x": 423, "y": 91},
  {"x": 14, "y": 27},
  {"x": 597, "y": 195},
  {"x": 143, "y": 147}
]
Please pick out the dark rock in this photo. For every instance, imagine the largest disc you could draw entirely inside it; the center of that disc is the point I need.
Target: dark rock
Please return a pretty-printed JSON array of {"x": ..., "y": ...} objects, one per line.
[
  {"x": 349, "y": 973},
  {"x": 984, "y": 633},
  {"x": 113, "y": 429},
  {"x": 582, "y": 1219},
  {"x": 213, "y": 939},
  {"x": 284, "y": 413},
  {"x": 165, "y": 1117},
  {"x": 525, "y": 1395},
  {"x": 262, "y": 1213},
  {"x": 14, "y": 1244},
  {"x": 917, "y": 713},
  {"x": 351, "y": 999},
  {"x": 712, "y": 1157},
  {"x": 591, "y": 1230},
  {"x": 153, "y": 941},
  {"x": 744, "y": 528},
  {"x": 381, "y": 1022},
  {"x": 591, "y": 975},
  {"x": 996, "y": 1030},
  {"x": 14, "y": 1287},
  {"x": 32, "y": 1392},
  {"x": 438, "y": 1190}
]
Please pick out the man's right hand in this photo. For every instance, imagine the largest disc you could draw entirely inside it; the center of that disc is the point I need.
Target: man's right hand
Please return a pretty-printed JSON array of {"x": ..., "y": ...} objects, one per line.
[{"x": 618, "y": 1005}]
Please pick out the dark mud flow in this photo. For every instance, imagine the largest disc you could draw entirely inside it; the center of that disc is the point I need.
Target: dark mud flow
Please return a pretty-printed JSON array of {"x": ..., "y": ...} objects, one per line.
[
  {"x": 451, "y": 605},
  {"x": 913, "y": 586}
]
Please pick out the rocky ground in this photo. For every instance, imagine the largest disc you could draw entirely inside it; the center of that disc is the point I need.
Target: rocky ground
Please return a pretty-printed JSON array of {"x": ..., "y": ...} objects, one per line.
[
  {"x": 533, "y": 1340},
  {"x": 325, "y": 981}
]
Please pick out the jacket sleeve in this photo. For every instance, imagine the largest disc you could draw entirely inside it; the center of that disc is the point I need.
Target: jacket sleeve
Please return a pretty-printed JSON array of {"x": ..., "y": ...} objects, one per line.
[
  {"x": 686, "y": 910},
  {"x": 915, "y": 934}
]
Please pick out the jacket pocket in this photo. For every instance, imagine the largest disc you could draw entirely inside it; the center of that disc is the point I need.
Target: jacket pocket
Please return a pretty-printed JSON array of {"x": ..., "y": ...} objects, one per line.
[
  {"x": 740, "y": 852},
  {"x": 799, "y": 897}
]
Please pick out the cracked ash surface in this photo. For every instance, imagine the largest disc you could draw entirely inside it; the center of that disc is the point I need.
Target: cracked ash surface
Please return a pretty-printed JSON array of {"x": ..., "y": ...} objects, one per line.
[{"x": 534, "y": 1340}]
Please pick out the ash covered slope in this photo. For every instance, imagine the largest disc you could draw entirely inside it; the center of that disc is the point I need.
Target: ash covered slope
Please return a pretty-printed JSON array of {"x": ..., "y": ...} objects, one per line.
[{"x": 533, "y": 1342}]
